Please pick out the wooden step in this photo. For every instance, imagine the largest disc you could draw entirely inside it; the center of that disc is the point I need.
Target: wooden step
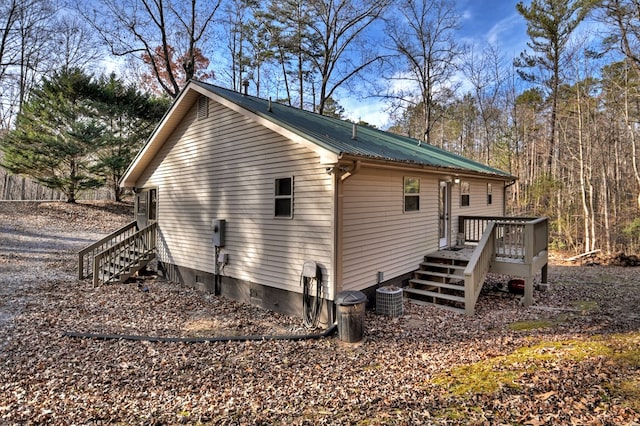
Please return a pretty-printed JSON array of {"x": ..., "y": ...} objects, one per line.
[
  {"x": 449, "y": 286},
  {"x": 434, "y": 294},
  {"x": 456, "y": 277},
  {"x": 442, "y": 265}
]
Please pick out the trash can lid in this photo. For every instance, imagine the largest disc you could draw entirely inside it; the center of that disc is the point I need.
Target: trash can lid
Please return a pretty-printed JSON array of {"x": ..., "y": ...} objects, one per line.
[{"x": 350, "y": 297}]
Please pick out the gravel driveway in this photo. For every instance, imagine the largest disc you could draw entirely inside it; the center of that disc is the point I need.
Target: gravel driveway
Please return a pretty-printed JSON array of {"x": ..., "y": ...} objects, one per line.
[{"x": 36, "y": 241}]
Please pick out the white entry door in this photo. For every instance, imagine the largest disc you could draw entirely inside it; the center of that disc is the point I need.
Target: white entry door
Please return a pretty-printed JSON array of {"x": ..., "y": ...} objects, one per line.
[{"x": 443, "y": 214}]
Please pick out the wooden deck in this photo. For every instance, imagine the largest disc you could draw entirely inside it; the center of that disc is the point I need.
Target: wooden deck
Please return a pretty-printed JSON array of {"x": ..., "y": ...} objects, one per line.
[{"x": 502, "y": 245}]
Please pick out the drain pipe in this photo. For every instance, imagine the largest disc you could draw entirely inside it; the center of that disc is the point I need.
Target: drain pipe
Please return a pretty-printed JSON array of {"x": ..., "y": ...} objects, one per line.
[
  {"x": 355, "y": 169},
  {"x": 137, "y": 338}
]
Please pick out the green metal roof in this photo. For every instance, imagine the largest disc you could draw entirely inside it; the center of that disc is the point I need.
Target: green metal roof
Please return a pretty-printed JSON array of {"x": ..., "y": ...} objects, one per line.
[{"x": 336, "y": 136}]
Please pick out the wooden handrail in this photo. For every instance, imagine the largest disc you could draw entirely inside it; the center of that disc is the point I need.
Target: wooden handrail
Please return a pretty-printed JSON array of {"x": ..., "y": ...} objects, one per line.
[
  {"x": 517, "y": 238},
  {"x": 478, "y": 267},
  {"x": 141, "y": 243},
  {"x": 472, "y": 227},
  {"x": 84, "y": 266}
]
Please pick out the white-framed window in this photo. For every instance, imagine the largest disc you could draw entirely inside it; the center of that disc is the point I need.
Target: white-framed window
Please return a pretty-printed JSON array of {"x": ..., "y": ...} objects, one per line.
[
  {"x": 465, "y": 194},
  {"x": 411, "y": 194},
  {"x": 489, "y": 194},
  {"x": 283, "y": 197}
]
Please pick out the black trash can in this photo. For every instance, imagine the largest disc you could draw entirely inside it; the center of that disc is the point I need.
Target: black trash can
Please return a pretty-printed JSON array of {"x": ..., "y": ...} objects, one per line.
[{"x": 350, "y": 306}]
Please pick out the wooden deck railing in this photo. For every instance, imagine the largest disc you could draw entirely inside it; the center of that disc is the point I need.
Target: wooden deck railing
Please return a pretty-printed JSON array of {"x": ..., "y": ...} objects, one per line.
[
  {"x": 513, "y": 246},
  {"x": 478, "y": 267},
  {"x": 87, "y": 254},
  {"x": 121, "y": 256},
  {"x": 517, "y": 238}
]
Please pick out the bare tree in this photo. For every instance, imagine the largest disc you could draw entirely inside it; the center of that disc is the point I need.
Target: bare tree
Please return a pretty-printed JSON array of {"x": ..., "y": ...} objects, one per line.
[
  {"x": 25, "y": 44},
  {"x": 336, "y": 27},
  {"x": 622, "y": 18},
  {"x": 422, "y": 33},
  {"x": 75, "y": 44},
  {"x": 487, "y": 76},
  {"x": 550, "y": 24},
  {"x": 166, "y": 35}
]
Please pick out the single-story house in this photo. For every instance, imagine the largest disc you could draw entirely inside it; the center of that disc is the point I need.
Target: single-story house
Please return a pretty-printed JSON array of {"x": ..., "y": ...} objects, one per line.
[{"x": 244, "y": 191}]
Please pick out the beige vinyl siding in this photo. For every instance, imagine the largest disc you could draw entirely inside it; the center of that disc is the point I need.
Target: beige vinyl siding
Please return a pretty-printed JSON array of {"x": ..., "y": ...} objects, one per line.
[
  {"x": 477, "y": 201},
  {"x": 377, "y": 234},
  {"x": 224, "y": 167}
]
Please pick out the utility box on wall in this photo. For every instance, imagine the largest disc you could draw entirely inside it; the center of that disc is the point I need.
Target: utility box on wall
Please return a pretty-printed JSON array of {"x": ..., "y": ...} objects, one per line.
[{"x": 218, "y": 226}]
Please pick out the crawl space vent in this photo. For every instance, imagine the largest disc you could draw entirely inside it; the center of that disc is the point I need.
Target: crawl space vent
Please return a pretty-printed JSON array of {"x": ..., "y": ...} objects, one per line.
[{"x": 389, "y": 301}]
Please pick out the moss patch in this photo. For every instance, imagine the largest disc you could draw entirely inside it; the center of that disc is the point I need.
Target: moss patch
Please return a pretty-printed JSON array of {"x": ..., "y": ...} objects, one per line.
[
  {"x": 491, "y": 375},
  {"x": 530, "y": 325},
  {"x": 629, "y": 392},
  {"x": 586, "y": 306}
]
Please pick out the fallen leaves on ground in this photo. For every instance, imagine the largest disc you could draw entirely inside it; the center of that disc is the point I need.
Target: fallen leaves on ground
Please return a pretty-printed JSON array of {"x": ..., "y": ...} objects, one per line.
[{"x": 573, "y": 357}]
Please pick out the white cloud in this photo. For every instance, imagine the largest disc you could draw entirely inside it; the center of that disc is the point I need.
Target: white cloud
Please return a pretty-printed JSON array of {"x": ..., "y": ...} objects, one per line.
[{"x": 368, "y": 110}]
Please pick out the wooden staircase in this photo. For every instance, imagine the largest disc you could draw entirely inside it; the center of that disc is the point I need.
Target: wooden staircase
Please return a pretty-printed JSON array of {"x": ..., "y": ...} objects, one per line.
[
  {"x": 123, "y": 265},
  {"x": 439, "y": 281},
  {"x": 117, "y": 257}
]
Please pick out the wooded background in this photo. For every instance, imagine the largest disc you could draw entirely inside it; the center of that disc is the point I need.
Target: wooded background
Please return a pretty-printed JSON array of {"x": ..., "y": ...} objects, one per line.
[{"x": 562, "y": 116}]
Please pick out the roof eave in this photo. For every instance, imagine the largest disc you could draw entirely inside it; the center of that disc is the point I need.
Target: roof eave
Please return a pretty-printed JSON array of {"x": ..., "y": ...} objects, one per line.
[
  {"x": 165, "y": 127},
  {"x": 404, "y": 165}
]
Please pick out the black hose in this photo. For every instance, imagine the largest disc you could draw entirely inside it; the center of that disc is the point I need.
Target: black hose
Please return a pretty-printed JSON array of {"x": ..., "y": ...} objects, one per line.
[
  {"x": 294, "y": 337},
  {"x": 311, "y": 306}
]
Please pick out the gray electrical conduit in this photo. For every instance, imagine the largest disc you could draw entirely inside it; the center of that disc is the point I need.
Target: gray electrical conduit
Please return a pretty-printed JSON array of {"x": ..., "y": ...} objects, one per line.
[{"x": 328, "y": 332}]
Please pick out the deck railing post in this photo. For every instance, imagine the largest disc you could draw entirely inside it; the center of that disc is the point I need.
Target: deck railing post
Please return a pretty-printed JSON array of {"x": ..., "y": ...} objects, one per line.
[{"x": 529, "y": 242}]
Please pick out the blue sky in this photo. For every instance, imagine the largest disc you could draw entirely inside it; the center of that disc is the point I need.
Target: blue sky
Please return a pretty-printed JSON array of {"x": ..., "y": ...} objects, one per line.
[
  {"x": 482, "y": 22},
  {"x": 491, "y": 21}
]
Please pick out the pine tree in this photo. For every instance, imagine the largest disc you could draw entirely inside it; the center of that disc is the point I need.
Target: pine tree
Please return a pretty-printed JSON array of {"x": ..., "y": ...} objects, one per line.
[
  {"x": 127, "y": 116},
  {"x": 550, "y": 23},
  {"x": 56, "y": 134}
]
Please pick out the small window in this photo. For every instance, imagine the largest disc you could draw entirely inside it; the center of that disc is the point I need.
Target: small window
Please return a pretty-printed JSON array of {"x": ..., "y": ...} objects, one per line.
[
  {"x": 464, "y": 194},
  {"x": 489, "y": 197},
  {"x": 142, "y": 202},
  {"x": 284, "y": 197},
  {"x": 203, "y": 107},
  {"x": 411, "y": 194},
  {"x": 153, "y": 204}
]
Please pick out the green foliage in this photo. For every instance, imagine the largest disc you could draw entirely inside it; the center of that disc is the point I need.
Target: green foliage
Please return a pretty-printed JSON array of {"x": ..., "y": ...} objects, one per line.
[
  {"x": 76, "y": 133},
  {"x": 128, "y": 117},
  {"x": 549, "y": 26},
  {"x": 333, "y": 109},
  {"x": 56, "y": 133},
  {"x": 632, "y": 229},
  {"x": 540, "y": 193}
]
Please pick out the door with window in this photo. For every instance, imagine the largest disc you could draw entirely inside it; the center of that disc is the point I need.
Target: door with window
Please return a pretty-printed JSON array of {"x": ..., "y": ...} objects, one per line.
[
  {"x": 146, "y": 207},
  {"x": 443, "y": 214}
]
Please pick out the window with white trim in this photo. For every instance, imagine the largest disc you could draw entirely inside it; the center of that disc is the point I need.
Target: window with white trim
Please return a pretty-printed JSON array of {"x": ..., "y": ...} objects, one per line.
[
  {"x": 411, "y": 194},
  {"x": 283, "y": 205},
  {"x": 489, "y": 194}
]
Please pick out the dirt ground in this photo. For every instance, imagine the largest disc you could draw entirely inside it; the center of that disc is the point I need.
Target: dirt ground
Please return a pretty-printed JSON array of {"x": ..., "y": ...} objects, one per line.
[{"x": 572, "y": 358}]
